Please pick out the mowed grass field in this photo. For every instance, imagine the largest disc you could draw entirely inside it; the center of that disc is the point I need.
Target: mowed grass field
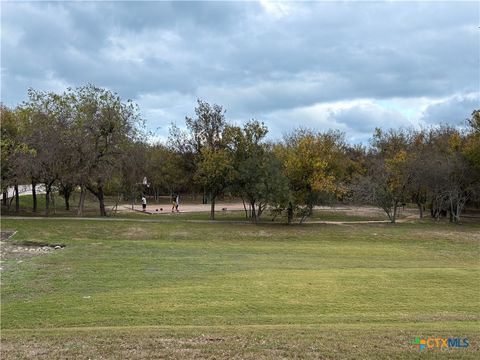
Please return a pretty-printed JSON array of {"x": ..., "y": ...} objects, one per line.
[{"x": 172, "y": 288}]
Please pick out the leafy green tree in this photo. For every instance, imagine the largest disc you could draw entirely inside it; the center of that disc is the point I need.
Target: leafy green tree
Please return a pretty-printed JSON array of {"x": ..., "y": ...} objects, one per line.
[
  {"x": 214, "y": 173},
  {"x": 388, "y": 177},
  {"x": 168, "y": 170},
  {"x": 374, "y": 188},
  {"x": 258, "y": 177},
  {"x": 395, "y": 175},
  {"x": 104, "y": 125},
  {"x": 13, "y": 149},
  {"x": 416, "y": 157},
  {"x": 49, "y": 117},
  {"x": 181, "y": 164},
  {"x": 314, "y": 163},
  {"x": 207, "y": 129},
  {"x": 213, "y": 161},
  {"x": 134, "y": 168},
  {"x": 453, "y": 180},
  {"x": 472, "y": 141}
]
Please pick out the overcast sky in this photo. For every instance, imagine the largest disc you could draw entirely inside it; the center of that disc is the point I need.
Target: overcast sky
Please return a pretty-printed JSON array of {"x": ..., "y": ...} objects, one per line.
[{"x": 342, "y": 65}]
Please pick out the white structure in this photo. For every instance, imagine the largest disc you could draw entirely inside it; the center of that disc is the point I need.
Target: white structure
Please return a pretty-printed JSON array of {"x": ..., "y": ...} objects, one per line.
[{"x": 25, "y": 190}]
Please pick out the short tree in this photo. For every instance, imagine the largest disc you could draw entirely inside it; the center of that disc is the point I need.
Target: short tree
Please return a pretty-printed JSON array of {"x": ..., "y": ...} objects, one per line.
[{"x": 314, "y": 163}]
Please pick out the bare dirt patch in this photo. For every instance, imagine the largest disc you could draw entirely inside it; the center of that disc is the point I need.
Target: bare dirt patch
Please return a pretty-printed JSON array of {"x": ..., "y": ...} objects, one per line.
[
  {"x": 7, "y": 234},
  {"x": 184, "y": 208},
  {"x": 18, "y": 252}
]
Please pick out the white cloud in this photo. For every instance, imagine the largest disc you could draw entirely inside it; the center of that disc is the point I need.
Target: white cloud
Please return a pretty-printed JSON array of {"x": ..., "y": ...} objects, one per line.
[
  {"x": 139, "y": 47},
  {"x": 356, "y": 118},
  {"x": 454, "y": 109},
  {"x": 279, "y": 91},
  {"x": 276, "y": 9},
  {"x": 317, "y": 64},
  {"x": 163, "y": 108},
  {"x": 54, "y": 83}
]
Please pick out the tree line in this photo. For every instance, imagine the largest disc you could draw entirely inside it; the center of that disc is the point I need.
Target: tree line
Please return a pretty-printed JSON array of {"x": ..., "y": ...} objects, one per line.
[{"x": 88, "y": 139}]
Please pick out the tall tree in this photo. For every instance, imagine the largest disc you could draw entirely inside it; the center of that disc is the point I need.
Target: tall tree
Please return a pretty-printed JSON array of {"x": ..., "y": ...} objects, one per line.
[
  {"x": 388, "y": 177},
  {"x": 134, "y": 168},
  {"x": 258, "y": 177},
  {"x": 472, "y": 141},
  {"x": 207, "y": 139},
  {"x": 13, "y": 149},
  {"x": 214, "y": 173},
  {"x": 453, "y": 180},
  {"x": 168, "y": 170},
  {"x": 104, "y": 124},
  {"x": 416, "y": 156},
  {"x": 49, "y": 118}
]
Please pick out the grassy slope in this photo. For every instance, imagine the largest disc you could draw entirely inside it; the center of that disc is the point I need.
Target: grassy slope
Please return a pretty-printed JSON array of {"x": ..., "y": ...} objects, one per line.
[{"x": 186, "y": 289}]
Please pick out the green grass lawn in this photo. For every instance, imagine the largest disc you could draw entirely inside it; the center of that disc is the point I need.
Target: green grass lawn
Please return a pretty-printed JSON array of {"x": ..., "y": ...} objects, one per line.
[
  {"x": 91, "y": 206},
  {"x": 91, "y": 209},
  {"x": 178, "y": 289},
  {"x": 239, "y": 215}
]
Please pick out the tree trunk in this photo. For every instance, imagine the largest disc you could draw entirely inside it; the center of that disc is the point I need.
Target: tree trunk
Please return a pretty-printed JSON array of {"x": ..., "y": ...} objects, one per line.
[
  {"x": 67, "y": 201},
  {"x": 81, "y": 201},
  {"x": 245, "y": 208},
  {"x": 435, "y": 208},
  {"x": 212, "y": 207},
  {"x": 67, "y": 191},
  {"x": 34, "y": 195},
  {"x": 261, "y": 208},
  {"x": 10, "y": 202},
  {"x": 420, "y": 210},
  {"x": 4, "y": 198},
  {"x": 290, "y": 213},
  {"x": 101, "y": 201},
  {"x": 47, "y": 199},
  {"x": 119, "y": 198},
  {"x": 451, "y": 209},
  {"x": 307, "y": 214},
  {"x": 254, "y": 213},
  {"x": 458, "y": 209},
  {"x": 52, "y": 195},
  {"x": 394, "y": 216},
  {"x": 98, "y": 192},
  {"x": 17, "y": 199}
]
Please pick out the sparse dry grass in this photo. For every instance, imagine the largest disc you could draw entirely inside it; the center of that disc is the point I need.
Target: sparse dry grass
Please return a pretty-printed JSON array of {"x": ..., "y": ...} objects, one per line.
[
  {"x": 235, "y": 342},
  {"x": 174, "y": 289}
]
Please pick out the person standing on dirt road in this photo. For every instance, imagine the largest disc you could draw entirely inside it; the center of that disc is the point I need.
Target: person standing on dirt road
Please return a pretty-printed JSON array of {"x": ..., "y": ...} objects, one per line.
[
  {"x": 144, "y": 202},
  {"x": 177, "y": 202},
  {"x": 174, "y": 202}
]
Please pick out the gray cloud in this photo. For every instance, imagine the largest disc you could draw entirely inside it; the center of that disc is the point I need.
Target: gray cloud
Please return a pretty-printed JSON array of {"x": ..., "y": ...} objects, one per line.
[
  {"x": 356, "y": 118},
  {"x": 454, "y": 110},
  {"x": 258, "y": 59}
]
